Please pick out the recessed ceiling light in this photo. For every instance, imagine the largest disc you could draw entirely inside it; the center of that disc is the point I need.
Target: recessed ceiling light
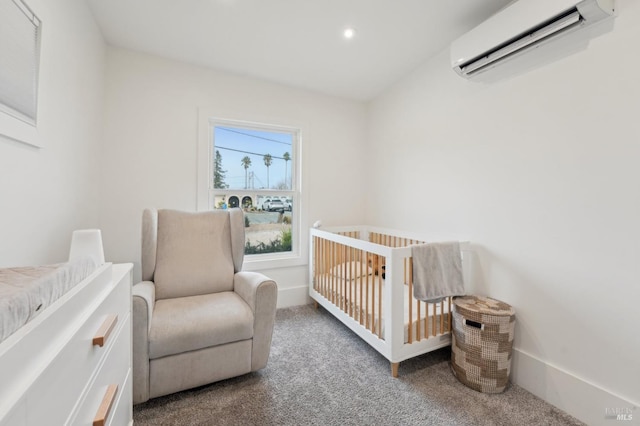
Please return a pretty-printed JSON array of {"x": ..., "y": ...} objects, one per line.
[{"x": 349, "y": 33}]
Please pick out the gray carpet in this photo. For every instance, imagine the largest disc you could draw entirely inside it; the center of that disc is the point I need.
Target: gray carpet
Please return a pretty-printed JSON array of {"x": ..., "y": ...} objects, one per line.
[{"x": 321, "y": 373}]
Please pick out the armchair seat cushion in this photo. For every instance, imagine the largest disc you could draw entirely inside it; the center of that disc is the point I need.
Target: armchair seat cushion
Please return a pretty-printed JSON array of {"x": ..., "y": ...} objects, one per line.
[{"x": 190, "y": 323}]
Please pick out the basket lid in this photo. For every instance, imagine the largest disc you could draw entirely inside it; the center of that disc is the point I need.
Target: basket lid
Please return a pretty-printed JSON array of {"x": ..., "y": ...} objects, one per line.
[{"x": 484, "y": 305}]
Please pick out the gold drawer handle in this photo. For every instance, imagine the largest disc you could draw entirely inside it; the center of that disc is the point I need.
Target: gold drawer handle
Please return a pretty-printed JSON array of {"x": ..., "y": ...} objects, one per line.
[
  {"x": 105, "y": 329},
  {"x": 105, "y": 406}
]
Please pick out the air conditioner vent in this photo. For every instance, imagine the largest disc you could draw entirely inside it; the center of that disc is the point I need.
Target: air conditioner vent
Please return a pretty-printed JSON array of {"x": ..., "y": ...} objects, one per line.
[{"x": 522, "y": 27}]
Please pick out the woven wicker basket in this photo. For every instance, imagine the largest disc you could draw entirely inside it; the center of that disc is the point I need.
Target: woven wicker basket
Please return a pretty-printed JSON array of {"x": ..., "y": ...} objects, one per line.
[{"x": 482, "y": 342}]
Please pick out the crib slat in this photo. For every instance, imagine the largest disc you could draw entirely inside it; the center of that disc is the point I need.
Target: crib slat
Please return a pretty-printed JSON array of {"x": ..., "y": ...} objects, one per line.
[
  {"x": 325, "y": 275},
  {"x": 327, "y": 263},
  {"x": 362, "y": 268},
  {"x": 374, "y": 283},
  {"x": 341, "y": 281},
  {"x": 335, "y": 278},
  {"x": 449, "y": 316},
  {"x": 322, "y": 245},
  {"x": 418, "y": 331},
  {"x": 370, "y": 298},
  {"x": 327, "y": 259},
  {"x": 409, "y": 261},
  {"x": 433, "y": 320},
  {"x": 321, "y": 265},
  {"x": 426, "y": 321},
  {"x": 347, "y": 282},
  {"x": 338, "y": 284},
  {"x": 370, "y": 279},
  {"x": 332, "y": 278},
  {"x": 380, "y": 295},
  {"x": 316, "y": 265},
  {"x": 352, "y": 283},
  {"x": 366, "y": 295},
  {"x": 442, "y": 316}
]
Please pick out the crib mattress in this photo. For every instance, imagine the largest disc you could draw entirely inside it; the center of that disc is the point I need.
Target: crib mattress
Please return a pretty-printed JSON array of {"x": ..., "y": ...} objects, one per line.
[
  {"x": 26, "y": 291},
  {"x": 422, "y": 319}
]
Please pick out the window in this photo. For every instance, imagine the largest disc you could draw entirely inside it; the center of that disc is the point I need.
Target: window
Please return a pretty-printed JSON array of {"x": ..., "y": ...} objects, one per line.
[
  {"x": 19, "y": 57},
  {"x": 255, "y": 167}
]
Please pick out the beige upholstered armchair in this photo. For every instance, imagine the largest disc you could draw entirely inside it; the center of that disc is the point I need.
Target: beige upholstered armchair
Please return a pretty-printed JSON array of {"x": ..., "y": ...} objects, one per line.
[{"x": 197, "y": 318}]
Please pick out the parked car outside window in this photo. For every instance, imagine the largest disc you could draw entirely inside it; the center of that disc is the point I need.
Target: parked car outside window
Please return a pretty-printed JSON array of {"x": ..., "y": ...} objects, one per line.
[{"x": 273, "y": 205}]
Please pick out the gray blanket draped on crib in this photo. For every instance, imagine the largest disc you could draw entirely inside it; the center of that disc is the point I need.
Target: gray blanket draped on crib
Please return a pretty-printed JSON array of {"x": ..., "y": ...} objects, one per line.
[{"x": 437, "y": 271}]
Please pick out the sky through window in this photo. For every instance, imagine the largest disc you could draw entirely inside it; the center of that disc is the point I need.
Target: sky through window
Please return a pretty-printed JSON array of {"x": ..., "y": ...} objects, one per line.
[{"x": 232, "y": 145}]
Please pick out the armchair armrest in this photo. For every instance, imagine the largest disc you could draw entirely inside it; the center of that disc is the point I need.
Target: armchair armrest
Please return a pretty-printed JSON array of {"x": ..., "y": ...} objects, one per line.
[
  {"x": 144, "y": 294},
  {"x": 261, "y": 294},
  {"x": 144, "y": 297},
  {"x": 248, "y": 284}
]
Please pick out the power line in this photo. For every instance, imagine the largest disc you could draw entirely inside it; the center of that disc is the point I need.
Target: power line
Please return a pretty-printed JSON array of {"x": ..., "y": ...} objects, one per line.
[
  {"x": 252, "y": 136},
  {"x": 248, "y": 152}
]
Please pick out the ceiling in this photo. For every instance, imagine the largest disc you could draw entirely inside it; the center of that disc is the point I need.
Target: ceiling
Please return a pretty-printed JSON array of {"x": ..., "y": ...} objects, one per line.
[{"x": 298, "y": 43}]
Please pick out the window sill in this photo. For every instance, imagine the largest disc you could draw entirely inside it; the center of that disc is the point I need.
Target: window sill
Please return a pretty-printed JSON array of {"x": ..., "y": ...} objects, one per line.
[{"x": 262, "y": 262}]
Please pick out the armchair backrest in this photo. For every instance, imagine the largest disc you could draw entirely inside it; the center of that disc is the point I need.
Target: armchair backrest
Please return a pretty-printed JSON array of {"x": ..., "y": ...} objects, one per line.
[{"x": 188, "y": 254}]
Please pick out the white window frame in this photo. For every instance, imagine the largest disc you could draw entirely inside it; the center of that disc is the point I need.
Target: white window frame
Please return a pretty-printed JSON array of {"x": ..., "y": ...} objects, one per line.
[
  {"x": 13, "y": 124},
  {"x": 206, "y": 194}
]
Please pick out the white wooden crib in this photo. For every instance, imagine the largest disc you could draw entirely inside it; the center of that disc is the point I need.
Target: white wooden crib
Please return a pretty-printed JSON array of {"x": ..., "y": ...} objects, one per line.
[{"x": 364, "y": 277}]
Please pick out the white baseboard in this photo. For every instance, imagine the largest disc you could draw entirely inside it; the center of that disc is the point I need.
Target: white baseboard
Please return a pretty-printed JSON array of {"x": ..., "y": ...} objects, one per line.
[
  {"x": 293, "y": 296},
  {"x": 573, "y": 395}
]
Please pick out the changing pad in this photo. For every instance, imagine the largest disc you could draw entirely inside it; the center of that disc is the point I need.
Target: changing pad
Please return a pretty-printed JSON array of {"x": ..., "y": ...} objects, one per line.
[{"x": 27, "y": 291}]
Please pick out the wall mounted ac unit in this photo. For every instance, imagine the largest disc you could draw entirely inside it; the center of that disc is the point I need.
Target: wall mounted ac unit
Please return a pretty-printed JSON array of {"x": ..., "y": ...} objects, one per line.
[{"x": 528, "y": 33}]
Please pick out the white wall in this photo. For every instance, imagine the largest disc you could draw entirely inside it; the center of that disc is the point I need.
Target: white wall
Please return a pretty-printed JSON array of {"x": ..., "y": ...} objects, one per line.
[
  {"x": 47, "y": 193},
  {"x": 540, "y": 173},
  {"x": 151, "y": 137}
]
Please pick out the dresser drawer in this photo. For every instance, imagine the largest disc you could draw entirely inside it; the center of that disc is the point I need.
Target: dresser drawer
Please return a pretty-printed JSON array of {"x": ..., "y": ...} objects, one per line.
[
  {"x": 115, "y": 371},
  {"x": 59, "y": 387},
  {"x": 122, "y": 413}
]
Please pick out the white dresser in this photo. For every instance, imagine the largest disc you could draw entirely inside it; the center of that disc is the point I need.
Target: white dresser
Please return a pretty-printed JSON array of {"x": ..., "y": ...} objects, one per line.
[{"x": 71, "y": 365}]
